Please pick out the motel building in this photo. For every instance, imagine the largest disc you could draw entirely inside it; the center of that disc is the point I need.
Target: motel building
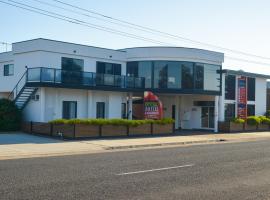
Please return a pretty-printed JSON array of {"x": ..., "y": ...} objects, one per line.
[{"x": 50, "y": 79}]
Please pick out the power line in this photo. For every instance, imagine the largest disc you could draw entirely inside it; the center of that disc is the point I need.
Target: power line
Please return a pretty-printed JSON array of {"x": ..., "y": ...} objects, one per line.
[
  {"x": 91, "y": 16},
  {"x": 83, "y": 23},
  {"x": 163, "y": 33},
  {"x": 80, "y": 22},
  {"x": 247, "y": 61}
]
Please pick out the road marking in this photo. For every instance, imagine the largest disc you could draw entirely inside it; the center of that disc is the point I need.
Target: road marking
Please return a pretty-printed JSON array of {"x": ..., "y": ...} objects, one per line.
[{"x": 153, "y": 170}]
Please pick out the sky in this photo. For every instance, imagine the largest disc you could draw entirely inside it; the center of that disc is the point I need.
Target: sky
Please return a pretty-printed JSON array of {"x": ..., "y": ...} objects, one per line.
[{"x": 242, "y": 25}]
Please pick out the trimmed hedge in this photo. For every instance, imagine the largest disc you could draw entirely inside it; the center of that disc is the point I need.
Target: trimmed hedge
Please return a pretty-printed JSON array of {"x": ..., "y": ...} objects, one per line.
[
  {"x": 238, "y": 121},
  {"x": 253, "y": 120},
  {"x": 115, "y": 122},
  {"x": 264, "y": 120},
  {"x": 10, "y": 116}
]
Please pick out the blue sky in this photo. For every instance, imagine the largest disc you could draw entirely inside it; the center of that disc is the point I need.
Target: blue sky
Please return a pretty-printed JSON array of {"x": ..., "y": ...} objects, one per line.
[{"x": 242, "y": 25}]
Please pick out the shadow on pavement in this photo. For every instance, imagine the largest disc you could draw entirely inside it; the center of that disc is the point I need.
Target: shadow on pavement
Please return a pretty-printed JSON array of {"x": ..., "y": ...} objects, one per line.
[{"x": 22, "y": 138}]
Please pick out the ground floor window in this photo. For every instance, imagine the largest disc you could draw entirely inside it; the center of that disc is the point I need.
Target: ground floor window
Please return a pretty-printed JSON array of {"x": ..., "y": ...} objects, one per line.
[
  {"x": 124, "y": 110},
  {"x": 229, "y": 111},
  {"x": 100, "y": 110},
  {"x": 250, "y": 110},
  {"x": 69, "y": 110}
]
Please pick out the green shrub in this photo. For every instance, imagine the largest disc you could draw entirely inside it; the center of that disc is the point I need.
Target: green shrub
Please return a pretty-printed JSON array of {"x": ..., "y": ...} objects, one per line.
[
  {"x": 115, "y": 122},
  {"x": 253, "y": 120},
  {"x": 10, "y": 116},
  {"x": 238, "y": 120},
  {"x": 267, "y": 114},
  {"x": 264, "y": 120}
]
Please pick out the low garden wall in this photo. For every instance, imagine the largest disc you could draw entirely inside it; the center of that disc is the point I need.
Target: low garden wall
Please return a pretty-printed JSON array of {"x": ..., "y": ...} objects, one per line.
[
  {"x": 251, "y": 124},
  {"x": 101, "y": 128}
]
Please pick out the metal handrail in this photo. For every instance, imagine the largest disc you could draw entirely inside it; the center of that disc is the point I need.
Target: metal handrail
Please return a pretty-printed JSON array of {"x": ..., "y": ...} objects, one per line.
[
  {"x": 118, "y": 80},
  {"x": 122, "y": 84},
  {"x": 15, "y": 88}
]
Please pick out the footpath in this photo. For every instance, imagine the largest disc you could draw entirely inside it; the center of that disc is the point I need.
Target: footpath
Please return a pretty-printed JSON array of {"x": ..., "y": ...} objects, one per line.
[{"x": 20, "y": 145}]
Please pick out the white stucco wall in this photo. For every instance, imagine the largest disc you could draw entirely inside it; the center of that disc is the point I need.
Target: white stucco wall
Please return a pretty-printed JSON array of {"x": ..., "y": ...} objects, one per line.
[
  {"x": 260, "y": 96},
  {"x": 188, "y": 116},
  {"x": 49, "y": 105}
]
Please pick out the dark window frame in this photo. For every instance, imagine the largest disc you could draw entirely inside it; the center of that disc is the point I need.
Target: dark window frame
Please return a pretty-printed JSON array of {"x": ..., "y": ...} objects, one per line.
[
  {"x": 64, "y": 112},
  {"x": 251, "y": 88},
  {"x": 251, "y": 110},
  {"x": 198, "y": 82},
  {"x": 230, "y": 87},
  {"x": 103, "y": 115},
  {"x": 124, "y": 110},
  {"x": 71, "y": 63},
  {"x": 8, "y": 71},
  {"x": 116, "y": 68},
  {"x": 233, "y": 111}
]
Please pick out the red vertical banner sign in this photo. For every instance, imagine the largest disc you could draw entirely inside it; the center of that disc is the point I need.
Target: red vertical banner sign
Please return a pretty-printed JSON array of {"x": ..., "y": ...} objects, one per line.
[
  {"x": 153, "y": 108},
  {"x": 242, "y": 98}
]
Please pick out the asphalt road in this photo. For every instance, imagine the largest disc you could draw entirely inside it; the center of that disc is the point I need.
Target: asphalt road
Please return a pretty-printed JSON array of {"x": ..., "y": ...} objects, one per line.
[{"x": 216, "y": 171}]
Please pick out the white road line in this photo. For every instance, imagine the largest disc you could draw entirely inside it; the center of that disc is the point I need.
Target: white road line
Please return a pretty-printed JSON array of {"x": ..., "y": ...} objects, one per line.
[{"x": 152, "y": 170}]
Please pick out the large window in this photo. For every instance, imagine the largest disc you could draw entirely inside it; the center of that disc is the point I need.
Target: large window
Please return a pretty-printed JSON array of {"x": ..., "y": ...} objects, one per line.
[
  {"x": 69, "y": 110},
  {"x": 251, "y": 89},
  {"x": 250, "y": 110},
  {"x": 141, "y": 69},
  {"x": 108, "y": 68},
  {"x": 176, "y": 75},
  {"x": 211, "y": 77},
  {"x": 187, "y": 75},
  {"x": 199, "y": 76},
  {"x": 229, "y": 111},
  {"x": 9, "y": 70},
  {"x": 72, "y": 69},
  {"x": 72, "y": 64},
  {"x": 160, "y": 74},
  {"x": 100, "y": 110},
  {"x": 230, "y": 87}
]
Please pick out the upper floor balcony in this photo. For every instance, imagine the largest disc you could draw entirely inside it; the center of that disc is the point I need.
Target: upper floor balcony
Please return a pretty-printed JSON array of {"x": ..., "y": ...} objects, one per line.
[{"x": 52, "y": 77}]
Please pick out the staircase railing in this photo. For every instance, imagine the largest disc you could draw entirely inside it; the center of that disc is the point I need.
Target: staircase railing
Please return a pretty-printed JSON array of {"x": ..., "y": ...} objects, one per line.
[{"x": 19, "y": 86}]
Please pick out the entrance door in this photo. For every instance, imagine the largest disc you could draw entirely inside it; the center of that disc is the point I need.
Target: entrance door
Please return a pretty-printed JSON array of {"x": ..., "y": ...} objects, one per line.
[{"x": 207, "y": 117}]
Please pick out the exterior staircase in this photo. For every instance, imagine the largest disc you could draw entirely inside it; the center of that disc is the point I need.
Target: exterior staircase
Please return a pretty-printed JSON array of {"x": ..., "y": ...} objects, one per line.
[{"x": 21, "y": 94}]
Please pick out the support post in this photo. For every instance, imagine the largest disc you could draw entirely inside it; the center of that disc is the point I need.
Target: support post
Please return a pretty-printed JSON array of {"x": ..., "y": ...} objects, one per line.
[
  {"x": 130, "y": 106},
  {"x": 216, "y": 114}
]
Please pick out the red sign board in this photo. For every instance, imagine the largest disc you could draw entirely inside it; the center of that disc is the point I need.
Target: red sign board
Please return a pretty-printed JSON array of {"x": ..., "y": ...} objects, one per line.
[
  {"x": 242, "y": 98},
  {"x": 153, "y": 108}
]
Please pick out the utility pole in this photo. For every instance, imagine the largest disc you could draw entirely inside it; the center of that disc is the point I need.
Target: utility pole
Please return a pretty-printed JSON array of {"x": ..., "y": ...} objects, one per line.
[{"x": 6, "y": 45}]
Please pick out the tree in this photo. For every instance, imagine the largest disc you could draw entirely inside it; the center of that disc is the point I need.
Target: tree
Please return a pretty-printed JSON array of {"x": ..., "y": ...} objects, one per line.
[{"x": 10, "y": 116}]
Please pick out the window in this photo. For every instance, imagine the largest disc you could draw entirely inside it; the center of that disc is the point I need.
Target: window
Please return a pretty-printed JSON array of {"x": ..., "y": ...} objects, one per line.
[
  {"x": 100, "y": 110},
  {"x": 230, "y": 87},
  {"x": 251, "y": 89},
  {"x": 141, "y": 69},
  {"x": 187, "y": 75},
  {"x": 212, "y": 77},
  {"x": 174, "y": 75},
  {"x": 72, "y": 69},
  {"x": 108, "y": 68},
  {"x": 69, "y": 110},
  {"x": 160, "y": 74},
  {"x": 124, "y": 110},
  {"x": 9, "y": 70},
  {"x": 199, "y": 76},
  {"x": 229, "y": 111},
  {"x": 72, "y": 64},
  {"x": 250, "y": 110}
]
